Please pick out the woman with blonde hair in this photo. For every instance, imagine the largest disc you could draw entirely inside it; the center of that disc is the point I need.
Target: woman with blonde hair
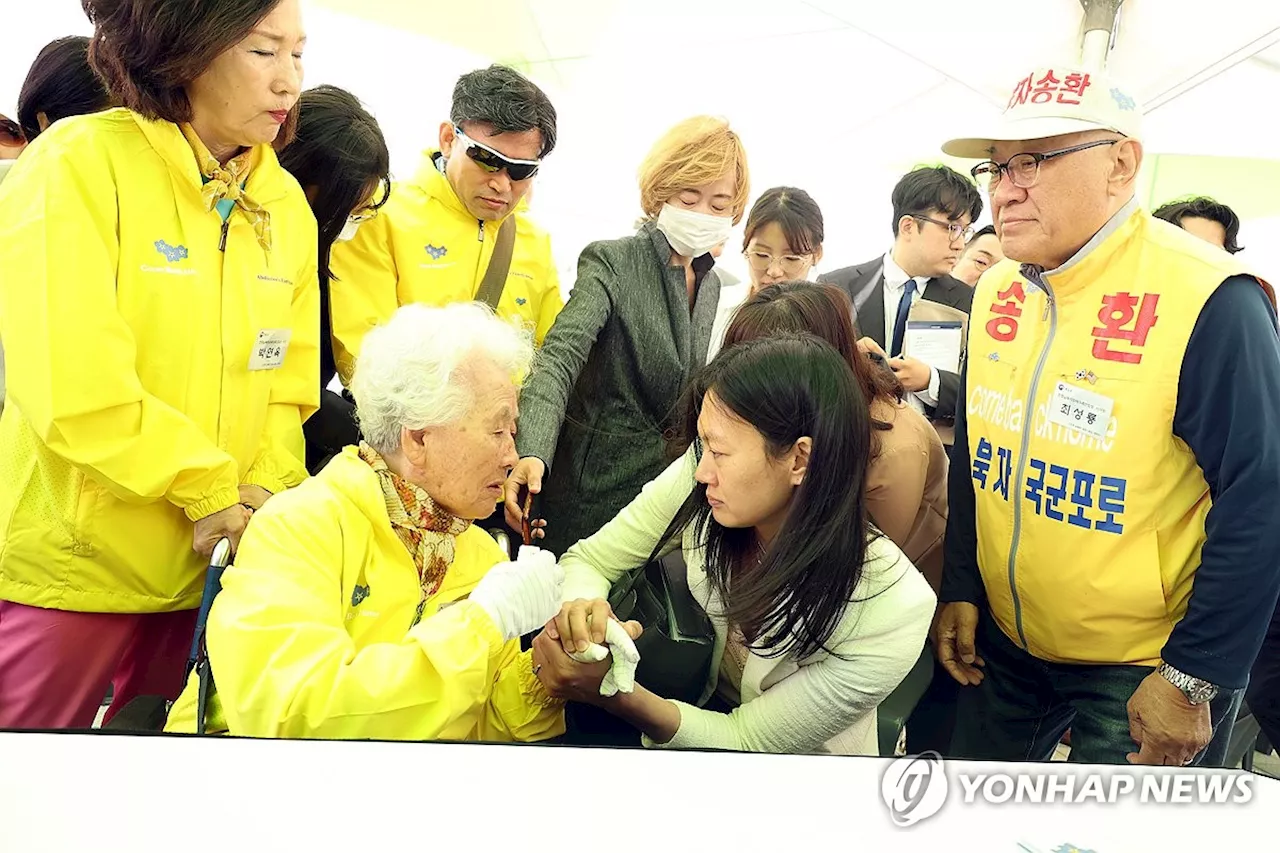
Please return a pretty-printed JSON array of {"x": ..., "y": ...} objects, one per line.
[{"x": 597, "y": 417}]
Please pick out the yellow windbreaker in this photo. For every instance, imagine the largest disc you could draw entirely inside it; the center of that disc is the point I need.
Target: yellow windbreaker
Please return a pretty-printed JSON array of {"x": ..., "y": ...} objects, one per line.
[
  {"x": 425, "y": 247},
  {"x": 131, "y": 407},
  {"x": 311, "y": 638}
]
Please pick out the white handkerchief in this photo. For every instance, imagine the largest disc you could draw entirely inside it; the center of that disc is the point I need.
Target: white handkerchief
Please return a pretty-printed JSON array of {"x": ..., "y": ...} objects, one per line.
[{"x": 621, "y": 677}]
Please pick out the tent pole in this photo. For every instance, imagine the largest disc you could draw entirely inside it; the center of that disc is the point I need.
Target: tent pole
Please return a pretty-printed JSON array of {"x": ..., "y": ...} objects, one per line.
[{"x": 1101, "y": 19}]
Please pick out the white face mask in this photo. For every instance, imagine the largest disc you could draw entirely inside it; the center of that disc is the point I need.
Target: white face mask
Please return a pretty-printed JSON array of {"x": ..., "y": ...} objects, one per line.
[
  {"x": 693, "y": 234},
  {"x": 348, "y": 231}
]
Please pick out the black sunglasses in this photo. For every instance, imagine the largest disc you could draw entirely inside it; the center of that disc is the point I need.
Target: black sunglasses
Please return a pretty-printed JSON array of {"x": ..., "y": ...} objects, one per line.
[{"x": 492, "y": 161}]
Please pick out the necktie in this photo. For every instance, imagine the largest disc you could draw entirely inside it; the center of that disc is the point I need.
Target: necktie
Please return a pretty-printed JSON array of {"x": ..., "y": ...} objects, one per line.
[{"x": 900, "y": 322}]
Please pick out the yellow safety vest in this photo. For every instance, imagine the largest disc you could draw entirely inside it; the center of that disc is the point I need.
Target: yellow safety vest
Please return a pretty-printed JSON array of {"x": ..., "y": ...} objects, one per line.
[{"x": 1088, "y": 542}]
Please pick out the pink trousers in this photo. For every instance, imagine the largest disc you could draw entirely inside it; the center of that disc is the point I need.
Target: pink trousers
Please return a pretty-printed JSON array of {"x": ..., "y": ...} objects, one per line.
[{"x": 56, "y": 665}]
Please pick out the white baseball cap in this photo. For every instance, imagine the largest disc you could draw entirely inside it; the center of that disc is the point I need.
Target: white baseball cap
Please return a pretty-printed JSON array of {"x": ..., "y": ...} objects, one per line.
[{"x": 1053, "y": 102}]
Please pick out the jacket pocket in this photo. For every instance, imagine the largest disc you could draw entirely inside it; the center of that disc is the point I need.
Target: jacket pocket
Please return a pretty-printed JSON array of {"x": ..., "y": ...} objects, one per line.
[{"x": 90, "y": 506}]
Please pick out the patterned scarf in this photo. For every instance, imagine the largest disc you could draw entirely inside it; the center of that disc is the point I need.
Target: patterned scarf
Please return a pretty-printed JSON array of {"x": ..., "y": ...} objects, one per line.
[
  {"x": 226, "y": 183},
  {"x": 423, "y": 526}
]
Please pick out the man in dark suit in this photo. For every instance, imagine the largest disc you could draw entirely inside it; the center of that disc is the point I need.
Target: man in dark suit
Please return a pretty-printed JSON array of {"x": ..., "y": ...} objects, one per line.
[{"x": 933, "y": 212}]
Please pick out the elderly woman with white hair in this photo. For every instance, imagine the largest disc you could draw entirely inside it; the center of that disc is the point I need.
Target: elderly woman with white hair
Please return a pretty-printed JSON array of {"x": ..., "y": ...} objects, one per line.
[{"x": 364, "y": 603}]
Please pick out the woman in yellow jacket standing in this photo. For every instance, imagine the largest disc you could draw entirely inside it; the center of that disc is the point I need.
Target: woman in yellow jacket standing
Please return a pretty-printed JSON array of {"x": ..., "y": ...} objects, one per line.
[{"x": 160, "y": 316}]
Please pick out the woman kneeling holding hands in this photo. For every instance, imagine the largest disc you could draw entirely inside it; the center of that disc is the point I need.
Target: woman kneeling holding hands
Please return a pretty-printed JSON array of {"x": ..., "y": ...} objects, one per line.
[{"x": 817, "y": 617}]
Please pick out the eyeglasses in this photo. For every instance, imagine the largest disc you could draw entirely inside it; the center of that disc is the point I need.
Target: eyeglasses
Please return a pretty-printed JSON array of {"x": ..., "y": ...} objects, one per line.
[
  {"x": 492, "y": 161},
  {"x": 10, "y": 132},
  {"x": 1024, "y": 169},
  {"x": 369, "y": 210},
  {"x": 955, "y": 230},
  {"x": 791, "y": 265}
]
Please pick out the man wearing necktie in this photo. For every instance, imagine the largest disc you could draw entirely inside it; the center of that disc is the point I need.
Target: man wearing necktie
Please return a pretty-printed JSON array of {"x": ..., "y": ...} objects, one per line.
[{"x": 933, "y": 211}]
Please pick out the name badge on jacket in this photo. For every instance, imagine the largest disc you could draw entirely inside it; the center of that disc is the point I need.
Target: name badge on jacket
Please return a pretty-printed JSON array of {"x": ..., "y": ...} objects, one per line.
[{"x": 269, "y": 350}]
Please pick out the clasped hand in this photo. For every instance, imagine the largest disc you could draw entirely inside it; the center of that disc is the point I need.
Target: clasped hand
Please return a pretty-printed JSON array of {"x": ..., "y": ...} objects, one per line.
[{"x": 579, "y": 624}]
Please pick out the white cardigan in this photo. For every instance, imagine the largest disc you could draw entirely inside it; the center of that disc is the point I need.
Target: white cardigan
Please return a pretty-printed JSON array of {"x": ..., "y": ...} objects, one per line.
[{"x": 821, "y": 703}]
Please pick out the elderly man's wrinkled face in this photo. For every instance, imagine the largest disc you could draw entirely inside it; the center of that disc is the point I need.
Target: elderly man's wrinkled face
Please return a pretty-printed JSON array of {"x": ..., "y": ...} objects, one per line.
[
  {"x": 466, "y": 462},
  {"x": 1071, "y": 200}
]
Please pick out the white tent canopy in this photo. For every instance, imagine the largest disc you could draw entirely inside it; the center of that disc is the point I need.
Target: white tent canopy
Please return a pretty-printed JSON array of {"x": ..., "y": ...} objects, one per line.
[{"x": 836, "y": 96}]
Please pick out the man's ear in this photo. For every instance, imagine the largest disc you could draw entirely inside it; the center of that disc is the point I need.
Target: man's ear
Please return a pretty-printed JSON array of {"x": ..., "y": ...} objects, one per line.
[
  {"x": 1128, "y": 160},
  {"x": 447, "y": 136}
]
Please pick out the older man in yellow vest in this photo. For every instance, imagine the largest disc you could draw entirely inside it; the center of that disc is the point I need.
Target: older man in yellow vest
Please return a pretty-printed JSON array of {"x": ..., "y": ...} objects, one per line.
[{"x": 1116, "y": 465}]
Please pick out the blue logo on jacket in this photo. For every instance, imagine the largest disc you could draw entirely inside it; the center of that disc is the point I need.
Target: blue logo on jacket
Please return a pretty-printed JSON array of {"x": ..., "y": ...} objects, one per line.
[
  {"x": 358, "y": 595},
  {"x": 172, "y": 254},
  {"x": 436, "y": 252},
  {"x": 520, "y": 300}
]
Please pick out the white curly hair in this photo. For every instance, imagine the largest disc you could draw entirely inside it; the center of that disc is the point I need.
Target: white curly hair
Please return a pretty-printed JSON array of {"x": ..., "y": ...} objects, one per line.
[{"x": 407, "y": 374}]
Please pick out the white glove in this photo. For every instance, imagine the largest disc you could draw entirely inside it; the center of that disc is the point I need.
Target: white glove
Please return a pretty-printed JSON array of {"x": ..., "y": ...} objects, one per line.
[
  {"x": 523, "y": 596},
  {"x": 621, "y": 677}
]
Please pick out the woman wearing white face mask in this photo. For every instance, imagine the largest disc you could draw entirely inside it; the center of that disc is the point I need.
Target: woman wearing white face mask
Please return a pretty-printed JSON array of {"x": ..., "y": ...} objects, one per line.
[
  {"x": 341, "y": 160},
  {"x": 596, "y": 417}
]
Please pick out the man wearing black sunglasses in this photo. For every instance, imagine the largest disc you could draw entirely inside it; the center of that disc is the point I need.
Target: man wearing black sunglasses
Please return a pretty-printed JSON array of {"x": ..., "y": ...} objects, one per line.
[
  {"x": 457, "y": 231},
  {"x": 1110, "y": 559}
]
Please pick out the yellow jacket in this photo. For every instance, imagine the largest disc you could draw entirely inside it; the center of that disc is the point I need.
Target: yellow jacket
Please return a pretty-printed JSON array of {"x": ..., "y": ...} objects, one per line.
[
  {"x": 1088, "y": 544},
  {"x": 131, "y": 410},
  {"x": 311, "y": 638},
  {"x": 424, "y": 246}
]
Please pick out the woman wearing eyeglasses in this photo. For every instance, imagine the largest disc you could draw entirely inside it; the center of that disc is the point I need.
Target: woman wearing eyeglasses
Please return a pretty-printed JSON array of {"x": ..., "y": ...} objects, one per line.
[
  {"x": 162, "y": 345},
  {"x": 782, "y": 242},
  {"x": 341, "y": 160},
  {"x": 12, "y": 142},
  {"x": 597, "y": 414}
]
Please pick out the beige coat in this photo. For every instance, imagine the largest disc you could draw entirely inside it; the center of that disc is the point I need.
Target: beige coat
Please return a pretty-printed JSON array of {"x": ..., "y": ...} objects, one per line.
[{"x": 907, "y": 487}]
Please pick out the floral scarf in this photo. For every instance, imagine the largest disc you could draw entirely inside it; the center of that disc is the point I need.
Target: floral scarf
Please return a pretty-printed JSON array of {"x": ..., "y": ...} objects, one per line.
[
  {"x": 423, "y": 526},
  {"x": 225, "y": 183}
]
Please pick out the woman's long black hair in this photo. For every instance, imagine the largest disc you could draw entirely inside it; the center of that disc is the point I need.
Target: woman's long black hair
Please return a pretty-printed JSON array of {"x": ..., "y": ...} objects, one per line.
[
  {"x": 60, "y": 83},
  {"x": 787, "y": 387},
  {"x": 339, "y": 149},
  {"x": 338, "y": 153}
]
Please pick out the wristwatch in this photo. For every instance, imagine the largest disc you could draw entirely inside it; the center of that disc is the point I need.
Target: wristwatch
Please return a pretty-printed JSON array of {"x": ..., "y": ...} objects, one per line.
[{"x": 1197, "y": 690}]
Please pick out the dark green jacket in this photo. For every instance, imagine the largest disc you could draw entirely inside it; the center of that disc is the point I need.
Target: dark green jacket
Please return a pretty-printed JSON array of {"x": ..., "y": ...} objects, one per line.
[{"x": 601, "y": 405}]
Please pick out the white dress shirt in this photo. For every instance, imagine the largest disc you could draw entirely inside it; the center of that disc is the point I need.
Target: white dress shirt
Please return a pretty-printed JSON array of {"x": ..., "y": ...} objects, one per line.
[{"x": 895, "y": 282}]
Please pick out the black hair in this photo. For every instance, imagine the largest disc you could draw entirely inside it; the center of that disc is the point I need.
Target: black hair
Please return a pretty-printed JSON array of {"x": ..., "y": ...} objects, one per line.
[
  {"x": 794, "y": 211},
  {"x": 935, "y": 188},
  {"x": 984, "y": 231},
  {"x": 1202, "y": 207},
  {"x": 60, "y": 83},
  {"x": 788, "y": 386},
  {"x": 340, "y": 151},
  {"x": 507, "y": 100}
]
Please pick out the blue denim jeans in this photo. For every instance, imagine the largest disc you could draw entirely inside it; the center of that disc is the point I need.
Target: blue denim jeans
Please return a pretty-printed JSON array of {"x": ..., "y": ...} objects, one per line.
[{"x": 1024, "y": 705}]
